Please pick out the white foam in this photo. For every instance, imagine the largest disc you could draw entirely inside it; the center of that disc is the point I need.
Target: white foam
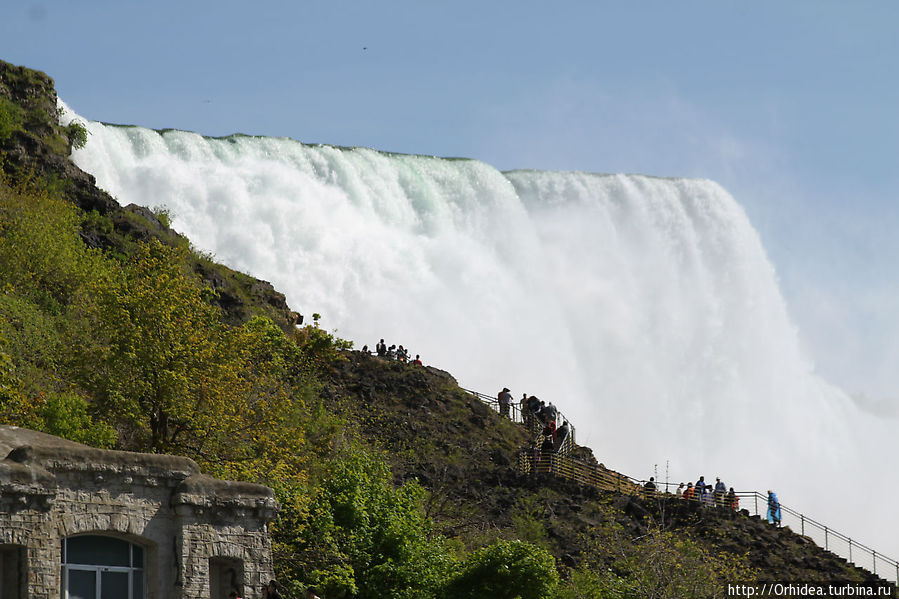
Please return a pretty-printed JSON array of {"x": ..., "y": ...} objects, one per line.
[{"x": 645, "y": 308}]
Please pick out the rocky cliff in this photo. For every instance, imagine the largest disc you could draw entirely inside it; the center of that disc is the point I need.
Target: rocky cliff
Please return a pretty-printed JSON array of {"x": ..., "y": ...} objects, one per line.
[{"x": 33, "y": 144}]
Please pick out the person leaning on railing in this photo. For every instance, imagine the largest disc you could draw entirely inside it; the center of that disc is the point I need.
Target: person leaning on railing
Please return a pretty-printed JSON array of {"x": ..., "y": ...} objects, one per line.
[
  {"x": 504, "y": 398},
  {"x": 720, "y": 492},
  {"x": 773, "y": 508},
  {"x": 546, "y": 453},
  {"x": 649, "y": 489},
  {"x": 532, "y": 411},
  {"x": 732, "y": 500}
]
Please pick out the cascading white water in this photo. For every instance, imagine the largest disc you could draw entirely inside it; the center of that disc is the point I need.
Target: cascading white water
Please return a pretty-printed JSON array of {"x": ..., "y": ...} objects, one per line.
[{"x": 645, "y": 308}]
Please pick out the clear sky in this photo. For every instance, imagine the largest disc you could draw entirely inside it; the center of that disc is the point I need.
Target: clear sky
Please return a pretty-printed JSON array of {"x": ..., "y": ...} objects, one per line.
[{"x": 791, "y": 106}]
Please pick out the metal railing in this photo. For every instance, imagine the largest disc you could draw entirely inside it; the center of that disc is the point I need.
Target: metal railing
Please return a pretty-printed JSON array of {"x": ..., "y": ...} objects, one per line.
[
  {"x": 522, "y": 416},
  {"x": 562, "y": 465},
  {"x": 755, "y": 503},
  {"x": 836, "y": 542},
  {"x": 568, "y": 468},
  {"x": 857, "y": 554}
]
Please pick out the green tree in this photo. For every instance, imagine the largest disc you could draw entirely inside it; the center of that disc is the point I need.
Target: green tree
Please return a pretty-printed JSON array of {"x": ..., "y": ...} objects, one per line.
[
  {"x": 362, "y": 537},
  {"x": 160, "y": 361},
  {"x": 505, "y": 570}
]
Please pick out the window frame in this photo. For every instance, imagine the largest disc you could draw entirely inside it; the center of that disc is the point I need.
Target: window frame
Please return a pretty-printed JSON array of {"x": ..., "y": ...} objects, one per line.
[{"x": 98, "y": 569}]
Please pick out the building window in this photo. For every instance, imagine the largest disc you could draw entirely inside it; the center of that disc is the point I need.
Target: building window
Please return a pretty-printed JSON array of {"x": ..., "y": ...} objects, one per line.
[{"x": 97, "y": 567}]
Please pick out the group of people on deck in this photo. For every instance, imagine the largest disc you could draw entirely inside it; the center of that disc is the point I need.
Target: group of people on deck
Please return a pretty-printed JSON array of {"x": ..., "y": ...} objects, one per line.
[
  {"x": 716, "y": 496},
  {"x": 708, "y": 495},
  {"x": 534, "y": 411},
  {"x": 400, "y": 354}
]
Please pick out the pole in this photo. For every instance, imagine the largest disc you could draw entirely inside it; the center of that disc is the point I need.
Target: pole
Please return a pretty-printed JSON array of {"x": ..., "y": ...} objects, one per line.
[
  {"x": 825, "y": 539},
  {"x": 802, "y": 517}
]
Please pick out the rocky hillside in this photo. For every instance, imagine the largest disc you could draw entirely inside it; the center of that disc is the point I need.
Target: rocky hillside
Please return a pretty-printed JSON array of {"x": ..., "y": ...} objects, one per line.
[
  {"x": 465, "y": 454},
  {"x": 34, "y": 144}
]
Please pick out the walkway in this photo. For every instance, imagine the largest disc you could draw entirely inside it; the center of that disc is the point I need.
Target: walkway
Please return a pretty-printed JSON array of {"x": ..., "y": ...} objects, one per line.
[{"x": 562, "y": 465}]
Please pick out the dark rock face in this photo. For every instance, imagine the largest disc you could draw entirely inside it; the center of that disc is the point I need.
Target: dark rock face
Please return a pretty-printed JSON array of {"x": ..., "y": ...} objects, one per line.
[{"x": 33, "y": 150}]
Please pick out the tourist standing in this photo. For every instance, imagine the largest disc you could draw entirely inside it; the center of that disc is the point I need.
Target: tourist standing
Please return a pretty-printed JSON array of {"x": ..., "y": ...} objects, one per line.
[
  {"x": 773, "y": 508},
  {"x": 505, "y": 401}
]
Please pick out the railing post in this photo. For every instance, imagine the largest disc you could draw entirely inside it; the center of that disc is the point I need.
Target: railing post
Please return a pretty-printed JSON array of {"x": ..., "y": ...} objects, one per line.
[
  {"x": 850, "y": 551},
  {"x": 802, "y": 518},
  {"x": 756, "y": 497},
  {"x": 874, "y": 560},
  {"x": 825, "y": 539}
]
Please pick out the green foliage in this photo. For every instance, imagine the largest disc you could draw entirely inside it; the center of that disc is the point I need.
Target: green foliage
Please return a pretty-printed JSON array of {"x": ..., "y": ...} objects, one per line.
[
  {"x": 43, "y": 263},
  {"x": 94, "y": 221},
  {"x": 42, "y": 256},
  {"x": 505, "y": 570},
  {"x": 158, "y": 352},
  {"x": 585, "y": 583},
  {"x": 33, "y": 342},
  {"x": 12, "y": 117},
  {"x": 161, "y": 363},
  {"x": 361, "y": 536},
  {"x": 66, "y": 415},
  {"x": 63, "y": 414},
  {"x": 529, "y": 519},
  {"x": 320, "y": 346},
  {"x": 77, "y": 135},
  {"x": 659, "y": 564},
  {"x": 8, "y": 382},
  {"x": 164, "y": 214},
  {"x": 139, "y": 341}
]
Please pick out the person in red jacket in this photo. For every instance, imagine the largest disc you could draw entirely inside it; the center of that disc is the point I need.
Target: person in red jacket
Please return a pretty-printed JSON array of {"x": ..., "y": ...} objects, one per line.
[{"x": 688, "y": 492}]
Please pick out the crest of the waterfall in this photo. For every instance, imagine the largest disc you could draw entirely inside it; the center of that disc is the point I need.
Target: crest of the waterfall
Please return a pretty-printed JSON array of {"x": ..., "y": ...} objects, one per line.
[{"x": 645, "y": 308}]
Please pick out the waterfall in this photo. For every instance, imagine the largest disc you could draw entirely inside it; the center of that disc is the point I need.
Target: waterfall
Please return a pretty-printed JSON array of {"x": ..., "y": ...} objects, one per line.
[{"x": 645, "y": 308}]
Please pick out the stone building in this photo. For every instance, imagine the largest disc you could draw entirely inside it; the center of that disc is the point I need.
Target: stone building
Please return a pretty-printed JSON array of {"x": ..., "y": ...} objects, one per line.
[{"x": 85, "y": 523}]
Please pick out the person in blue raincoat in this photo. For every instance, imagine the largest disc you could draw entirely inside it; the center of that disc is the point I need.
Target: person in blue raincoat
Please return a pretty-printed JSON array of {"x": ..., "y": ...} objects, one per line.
[{"x": 773, "y": 508}]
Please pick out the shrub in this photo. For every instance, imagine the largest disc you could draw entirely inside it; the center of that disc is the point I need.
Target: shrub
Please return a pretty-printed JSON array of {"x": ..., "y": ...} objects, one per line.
[{"x": 505, "y": 570}]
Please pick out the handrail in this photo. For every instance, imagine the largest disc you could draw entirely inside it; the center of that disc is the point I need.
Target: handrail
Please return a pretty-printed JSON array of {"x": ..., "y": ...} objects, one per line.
[
  {"x": 562, "y": 465},
  {"x": 601, "y": 478},
  {"x": 816, "y": 531},
  {"x": 516, "y": 414}
]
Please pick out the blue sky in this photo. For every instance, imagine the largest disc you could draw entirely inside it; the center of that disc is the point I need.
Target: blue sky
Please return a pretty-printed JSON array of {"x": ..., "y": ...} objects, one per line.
[{"x": 790, "y": 106}]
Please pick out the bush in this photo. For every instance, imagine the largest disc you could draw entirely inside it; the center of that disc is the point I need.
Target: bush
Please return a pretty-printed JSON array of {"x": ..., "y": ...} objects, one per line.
[
  {"x": 77, "y": 135},
  {"x": 361, "y": 537},
  {"x": 505, "y": 570}
]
